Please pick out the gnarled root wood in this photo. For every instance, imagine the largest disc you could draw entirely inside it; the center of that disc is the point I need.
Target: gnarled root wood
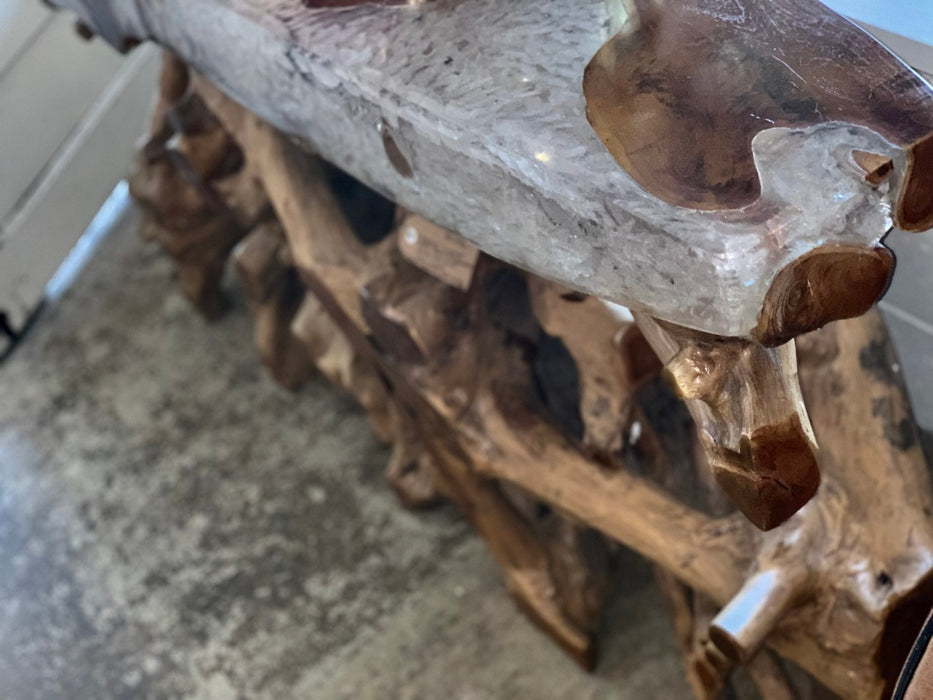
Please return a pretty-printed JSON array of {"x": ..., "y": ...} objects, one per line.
[
  {"x": 553, "y": 576},
  {"x": 199, "y": 198},
  {"x": 271, "y": 281},
  {"x": 533, "y": 409},
  {"x": 752, "y": 420}
]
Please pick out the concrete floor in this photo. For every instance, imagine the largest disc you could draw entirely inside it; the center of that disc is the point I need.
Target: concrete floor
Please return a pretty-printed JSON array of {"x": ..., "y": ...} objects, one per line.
[{"x": 173, "y": 524}]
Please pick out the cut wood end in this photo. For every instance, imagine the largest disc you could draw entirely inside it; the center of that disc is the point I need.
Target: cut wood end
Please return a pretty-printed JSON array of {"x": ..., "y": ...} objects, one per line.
[
  {"x": 877, "y": 167},
  {"x": 728, "y": 645},
  {"x": 742, "y": 626},
  {"x": 827, "y": 284},
  {"x": 437, "y": 251},
  {"x": 915, "y": 208},
  {"x": 784, "y": 473}
]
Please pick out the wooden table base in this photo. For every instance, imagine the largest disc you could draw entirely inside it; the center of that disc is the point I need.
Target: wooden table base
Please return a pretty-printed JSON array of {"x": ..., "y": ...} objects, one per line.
[{"x": 547, "y": 419}]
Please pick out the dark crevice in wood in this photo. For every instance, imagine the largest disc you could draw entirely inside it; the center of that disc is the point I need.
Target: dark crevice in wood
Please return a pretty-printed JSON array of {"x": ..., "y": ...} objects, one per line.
[
  {"x": 558, "y": 383},
  {"x": 370, "y": 215}
]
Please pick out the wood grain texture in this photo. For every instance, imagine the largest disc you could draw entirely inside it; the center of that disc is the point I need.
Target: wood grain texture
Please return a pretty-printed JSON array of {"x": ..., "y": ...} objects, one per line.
[
  {"x": 827, "y": 284},
  {"x": 680, "y": 93},
  {"x": 191, "y": 182},
  {"x": 437, "y": 251}
]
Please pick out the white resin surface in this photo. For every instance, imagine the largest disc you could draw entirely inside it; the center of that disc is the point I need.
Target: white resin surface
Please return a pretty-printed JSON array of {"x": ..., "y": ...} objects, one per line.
[{"x": 484, "y": 100}]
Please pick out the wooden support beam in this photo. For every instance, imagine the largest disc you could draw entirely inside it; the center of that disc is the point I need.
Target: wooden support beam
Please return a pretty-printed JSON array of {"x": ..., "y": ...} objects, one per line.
[
  {"x": 335, "y": 357},
  {"x": 518, "y": 550},
  {"x": 525, "y": 451},
  {"x": 272, "y": 284},
  {"x": 872, "y": 515},
  {"x": 318, "y": 233},
  {"x": 412, "y": 471},
  {"x": 591, "y": 335},
  {"x": 476, "y": 413},
  {"x": 409, "y": 312},
  {"x": 707, "y": 191},
  {"x": 439, "y": 252},
  {"x": 741, "y": 627},
  {"x": 751, "y": 418},
  {"x": 191, "y": 182}
]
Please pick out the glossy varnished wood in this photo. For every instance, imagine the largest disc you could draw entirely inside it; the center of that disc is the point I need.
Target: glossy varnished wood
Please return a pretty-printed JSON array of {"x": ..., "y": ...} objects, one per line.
[{"x": 681, "y": 91}]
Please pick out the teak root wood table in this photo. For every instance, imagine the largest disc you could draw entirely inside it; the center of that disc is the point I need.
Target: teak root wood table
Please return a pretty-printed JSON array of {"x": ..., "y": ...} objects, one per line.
[{"x": 448, "y": 208}]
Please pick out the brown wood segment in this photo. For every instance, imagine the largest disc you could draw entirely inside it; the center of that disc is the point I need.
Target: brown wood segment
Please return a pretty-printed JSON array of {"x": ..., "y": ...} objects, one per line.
[
  {"x": 827, "y": 284},
  {"x": 753, "y": 424}
]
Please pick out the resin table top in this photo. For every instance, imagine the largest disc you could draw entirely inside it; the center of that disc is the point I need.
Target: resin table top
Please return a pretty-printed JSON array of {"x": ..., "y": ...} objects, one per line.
[{"x": 473, "y": 113}]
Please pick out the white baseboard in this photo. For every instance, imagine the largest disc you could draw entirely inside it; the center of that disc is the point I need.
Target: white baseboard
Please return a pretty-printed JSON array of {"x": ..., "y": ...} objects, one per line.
[{"x": 96, "y": 157}]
